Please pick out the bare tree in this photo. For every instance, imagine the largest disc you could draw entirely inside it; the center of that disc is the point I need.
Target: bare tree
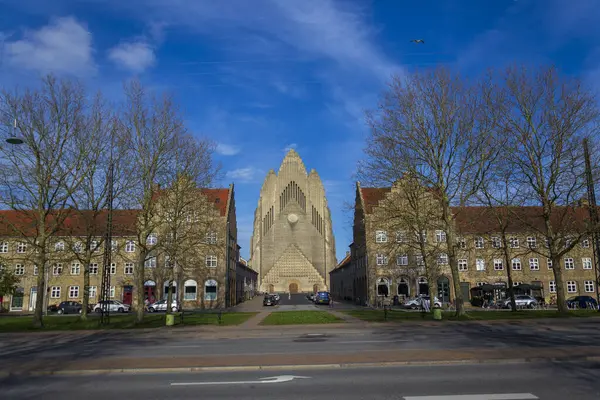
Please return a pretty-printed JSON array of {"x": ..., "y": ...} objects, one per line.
[
  {"x": 431, "y": 123},
  {"x": 38, "y": 178},
  {"x": 545, "y": 118}
]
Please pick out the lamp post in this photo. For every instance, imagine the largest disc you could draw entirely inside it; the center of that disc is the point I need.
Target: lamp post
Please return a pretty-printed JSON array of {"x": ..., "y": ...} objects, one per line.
[
  {"x": 105, "y": 288},
  {"x": 593, "y": 211}
]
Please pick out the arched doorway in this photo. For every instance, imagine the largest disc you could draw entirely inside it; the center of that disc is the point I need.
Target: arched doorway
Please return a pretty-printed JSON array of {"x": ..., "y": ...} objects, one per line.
[
  {"x": 422, "y": 286},
  {"x": 271, "y": 288},
  {"x": 443, "y": 286},
  {"x": 383, "y": 287},
  {"x": 150, "y": 291},
  {"x": 403, "y": 289},
  {"x": 293, "y": 288},
  {"x": 315, "y": 288}
]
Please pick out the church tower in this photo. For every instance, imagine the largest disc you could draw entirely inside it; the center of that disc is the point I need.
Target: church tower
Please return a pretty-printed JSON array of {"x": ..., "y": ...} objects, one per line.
[{"x": 292, "y": 245}]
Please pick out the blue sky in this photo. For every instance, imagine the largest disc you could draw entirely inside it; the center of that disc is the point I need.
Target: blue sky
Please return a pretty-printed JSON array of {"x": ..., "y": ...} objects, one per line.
[{"x": 260, "y": 76}]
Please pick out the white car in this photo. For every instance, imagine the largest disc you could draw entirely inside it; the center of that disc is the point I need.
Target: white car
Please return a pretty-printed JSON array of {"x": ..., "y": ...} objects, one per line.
[
  {"x": 415, "y": 303},
  {"x": 113, "y": 306},
  {"x": 162, "y": 306},
  {"x": 275, "y": 295}
]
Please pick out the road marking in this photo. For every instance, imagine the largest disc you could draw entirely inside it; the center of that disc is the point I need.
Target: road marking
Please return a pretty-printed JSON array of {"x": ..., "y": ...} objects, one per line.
[
  {"x": 271, "y": 379},
  {"x": 374, "y": 341},
  {"x": 505, "y": 396}
]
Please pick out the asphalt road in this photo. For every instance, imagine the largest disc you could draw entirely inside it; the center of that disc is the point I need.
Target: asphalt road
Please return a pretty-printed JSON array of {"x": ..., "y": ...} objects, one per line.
[{"x": 516, "y": 381}]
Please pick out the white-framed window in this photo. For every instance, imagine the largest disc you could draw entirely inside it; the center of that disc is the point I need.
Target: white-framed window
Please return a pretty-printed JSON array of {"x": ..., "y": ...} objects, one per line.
[
  {"x": 586, "y": 262},
  {"x": 422, "y": 237},
  {"x": 128, "y": 270},
  {"x": 514, "y": 242},
  {"x": 130, "y": 246},
  {"x": 534, "y": 264},
  {"x": 190, "y": 289},
  {"x": 585, "y": 243},
  {"x": 95, "y": 246},
  {"x": 589, "y": 286},
  {"x": 59, "y": 246},
  {"x": 21, "y": 247},
  {"x": 210, "y": 290},
  {"x": 381, "y": 259},
  {"x": 549, "y": 263},
  {"x": 479, "y": 242},
  {"x": 516, "y": 264},
  {"x": 4, "y": 247},
  {"x": 569, "y": 263},
  {"x": 111, "y": 293},
  {"x": 114, "y": 245},
  {"x": 443, "y": 258},
  {"x": 92, "y": 292},
  {"x": 571, "y": 287},
  {"x": 461, "y": 243},
  {"x": 35, "y": 270},
  {"x": 498, "y": 264},
  {"x": 440, "y": 236},
  {"x": 19, "y": 269},
  {"x": 57, "y": 269},
  {"x": 401, "y": 236},
  {"x": 75, "y": 268},
  {"x": 55, "y": 292},
  {"x": 152, "y": 239},
  {"x": 113, "y": 268},
  {"x": 73, "y": 292},
  {"x": 547, "y": 242},
  {"x": 463, "y": 264},
  {"x": 402, "y": 259},
  {"x": 380, "y": 236},
  {"x": 211, "y": 261},
  {"x": 150, "y": 262},
  {"x": 531, "y": 242},
  {"x": 78, "y": 247},
  {"x": 93, "y": 269},
  {"x": 552, "y": 286},
  {"x": 480, "y": 264},
  {"x": 496, "y": 242},
  {"x": 211, "y": 238},
  {"x": 419, "y": 260}
]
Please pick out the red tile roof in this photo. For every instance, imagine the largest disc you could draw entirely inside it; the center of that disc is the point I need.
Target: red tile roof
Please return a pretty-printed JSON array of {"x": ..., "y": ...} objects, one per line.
[
  {"x": 219, "y": 197},
  {"x": 371, "y": 197}
]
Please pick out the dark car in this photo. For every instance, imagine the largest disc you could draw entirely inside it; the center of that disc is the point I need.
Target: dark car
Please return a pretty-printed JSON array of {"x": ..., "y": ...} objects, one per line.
[
  {"x": 322, "y": 298},
  {"x": 582, "y": 302},
  {"x": 269, "y": 300},
  {"x": 69, "y": 307},
  {"x": 52, "y": 308}
]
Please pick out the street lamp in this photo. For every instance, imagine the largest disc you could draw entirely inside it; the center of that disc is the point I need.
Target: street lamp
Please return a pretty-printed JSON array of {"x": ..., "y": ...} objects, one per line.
[{"x": 14, "y": 139}]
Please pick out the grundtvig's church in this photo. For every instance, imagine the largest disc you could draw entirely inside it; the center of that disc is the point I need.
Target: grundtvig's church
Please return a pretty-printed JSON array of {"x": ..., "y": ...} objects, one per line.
[{"x": 292, "y": 245}]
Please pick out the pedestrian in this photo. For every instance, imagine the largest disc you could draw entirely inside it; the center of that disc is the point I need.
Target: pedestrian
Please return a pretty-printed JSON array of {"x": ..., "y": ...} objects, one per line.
[{"x": 330, "y": 302}]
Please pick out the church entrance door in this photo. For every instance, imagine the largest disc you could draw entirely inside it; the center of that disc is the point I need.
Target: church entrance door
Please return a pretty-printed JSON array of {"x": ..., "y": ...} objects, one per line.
[{"x": 293, "y": 288}]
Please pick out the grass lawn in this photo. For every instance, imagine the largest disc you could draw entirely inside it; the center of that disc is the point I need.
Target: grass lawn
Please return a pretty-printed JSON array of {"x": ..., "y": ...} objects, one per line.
[
  {"x": 68, "y": 322},
  {"x": 299, "y": 318},
  {"x": 399, "y": 316}
]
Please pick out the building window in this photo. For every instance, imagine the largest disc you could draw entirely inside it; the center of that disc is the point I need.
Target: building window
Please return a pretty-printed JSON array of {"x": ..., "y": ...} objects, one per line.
[
  {"x": 419, "y": 260},
  {"x": 589, "y": 286},
  {"x": 114, "y": 245},
  {"x": 440, "y": 236},
  {"x": 190, "y": 288},
  {"x": 514, "y": 242},
  {"x": 549, "y": 263},
  {"x": 480, "y": 264},
  {"x": 210, "y": 290},
  {"x": 73, "y": 292},
  {"x": 552, "y": 286},
  {"x": 93, "y": 269},
  {"x": 496, "y": 242},
  {"x": 211, "y": 238},
  {"x": 94, "y": 246},
  {"x": 461, "y": 242},
  {"x": 569, "y": 264},
  {"x": 443, "y": 258},
  {"x": 78, "y": 247},
  {"x": 19, "y": 269},
  {"x": 547, "y": 242},
  {"x": 75, "y": 269},
  {"x": 130, "y": 246},
  {"x": 4, "y": 247},
  {"x": 498, "y": 264},
  {"x": 534, "y": 264},
  {"x": 401, "y": 236},
  {"x": 113, "y": 268},
  {"x": 380, "y": 236},
  {"x": 571, "y": 287},
  {"x": 531, "y": 242},
  {"x": 111, "y": 293},
  {"x": 421, "y": 237},
  {"x": 211, "y": 261},
  {"x": 516, "y": 264},
  {"x": 479, "y": 243},
  {"x": 585, "y": 243},
  {"x": 35, "y": 270},
  {"x": 55, "y": 292},
  {"x": 60, "y": 246},
  {"x": 128, "y": 269},
  {"x": 21, "y": 247},
  {"x": 402, "y": 260},
  {"x": 586, "y": 263},
  {"x": 152, "y": 239},
  {"x": 381, "y": 259},
  {"x": 57, "y": 269},
  {"x": 150, "y": 262},
  {"x": 92, "y": 290},
  {"x": 462, "y": 264}
]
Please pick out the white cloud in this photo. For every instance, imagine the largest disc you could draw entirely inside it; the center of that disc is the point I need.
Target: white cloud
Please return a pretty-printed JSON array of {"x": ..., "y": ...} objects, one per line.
[
  {"x": 227, "y": 149},
  {"x": 136, "y": 56},
  {"x": 245, "y": 175},
  {"x": 290, "y": 147},
  {"x": 62, "y": 46}
]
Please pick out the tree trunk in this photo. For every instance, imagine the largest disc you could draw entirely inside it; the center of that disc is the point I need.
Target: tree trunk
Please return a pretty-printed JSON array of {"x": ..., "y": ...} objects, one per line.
[
  {"x": 169, "y": 297},
  {"x": 38, "y": 321},
  {"x": 140, "y": 275},
  {"x": 558, "y": 279},
  {"x": 86, "y": 291},
  {"x": 452, "y": 260},
  {"x": 507, "y": 260}
]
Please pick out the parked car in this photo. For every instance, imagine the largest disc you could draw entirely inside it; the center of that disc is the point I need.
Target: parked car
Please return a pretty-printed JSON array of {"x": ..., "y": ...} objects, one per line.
[
  {"x": 310, "y": 296},
  {"x": 277, "y": 297},
  {"x": 415, "y": 302},
  {"x": 113, "y": 306},
  {"x": 269, "y": 300},
  {"x": 52, "y": 308},
  {"x": 322, "y": 298},
  {"x": 582, "y": 302},
  {"x": 161, "y": 305},
  {"x": 522, "y": 300},
  {"x": 69, "y": 307}
]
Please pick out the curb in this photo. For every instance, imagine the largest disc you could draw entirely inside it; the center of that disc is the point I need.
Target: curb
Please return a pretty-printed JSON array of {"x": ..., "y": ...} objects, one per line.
[{"x": 242, "y": 368}]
